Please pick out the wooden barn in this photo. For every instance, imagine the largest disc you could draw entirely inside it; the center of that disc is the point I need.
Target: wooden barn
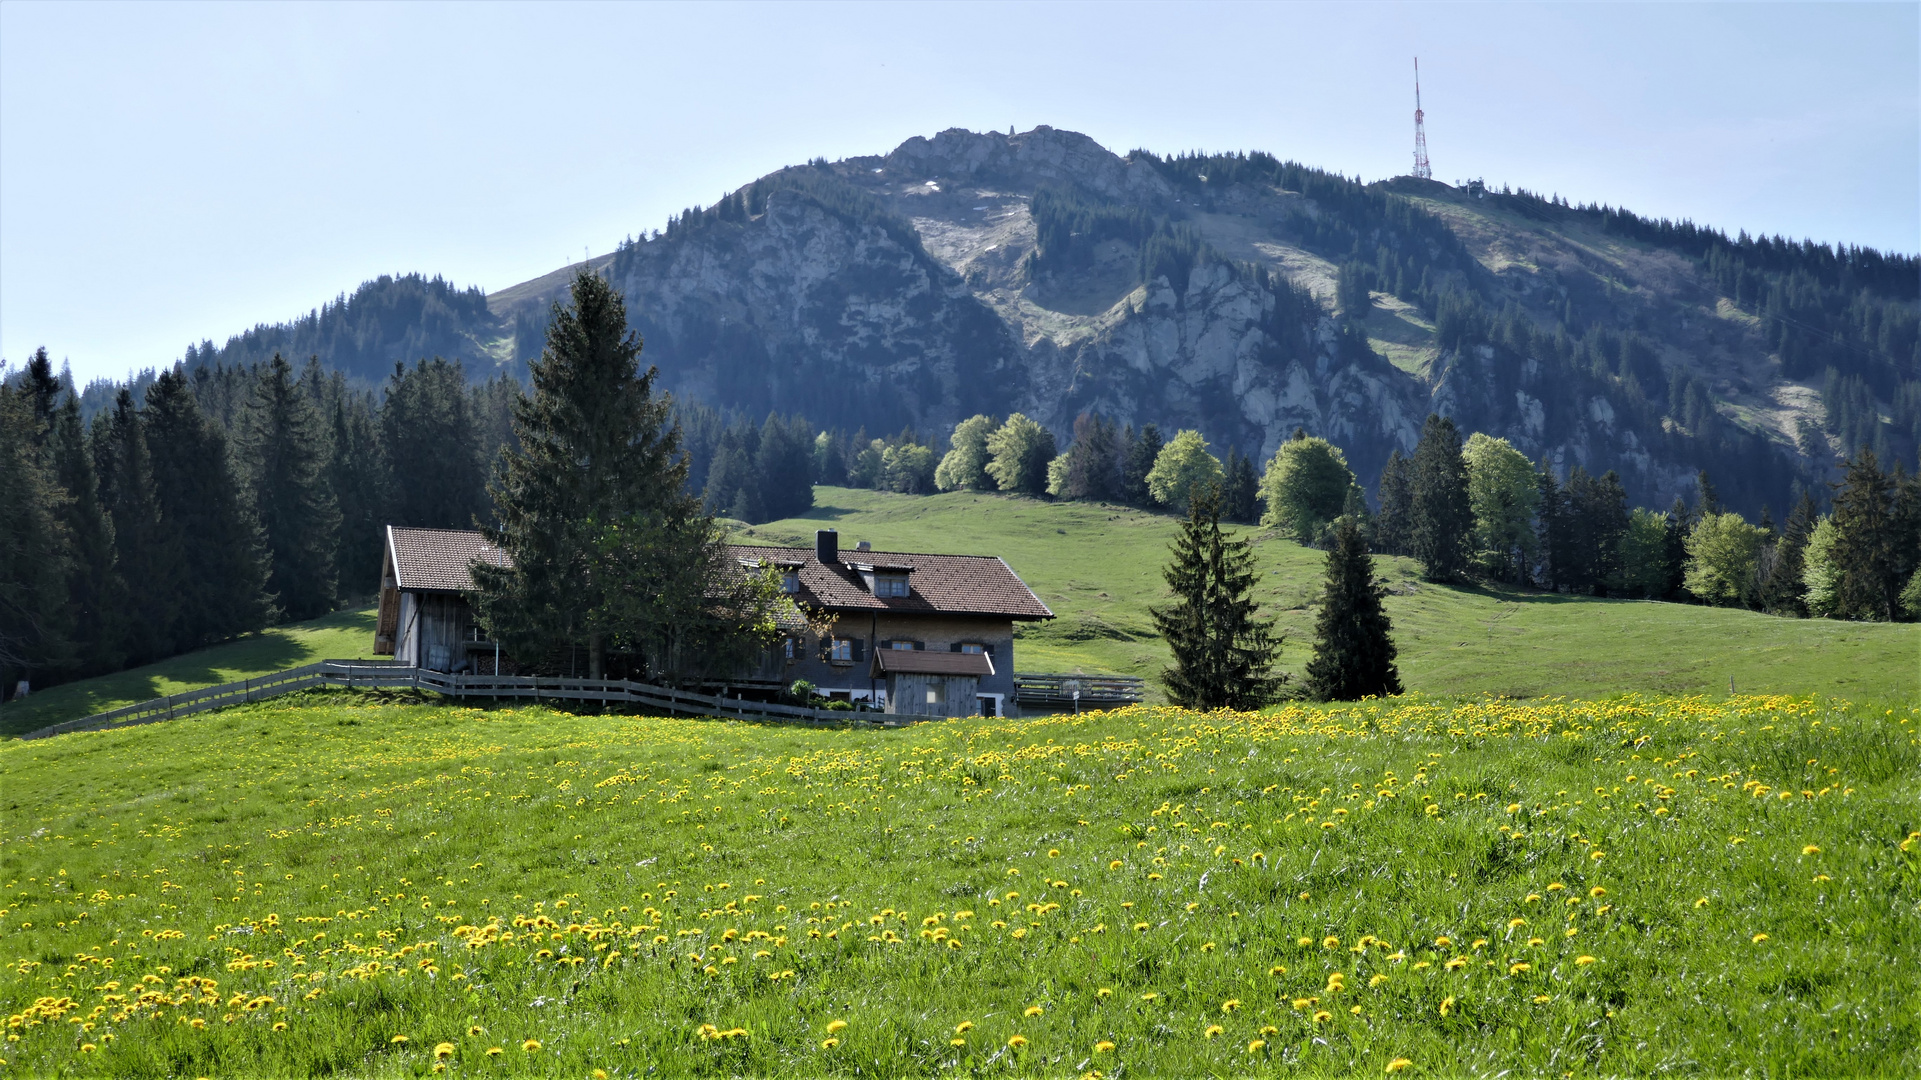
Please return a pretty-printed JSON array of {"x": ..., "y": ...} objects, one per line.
[{"x": 424, "y": 616}]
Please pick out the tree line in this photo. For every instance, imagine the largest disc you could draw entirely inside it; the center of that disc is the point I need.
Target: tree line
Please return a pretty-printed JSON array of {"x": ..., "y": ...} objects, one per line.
[{"x": 218, "y": 501}]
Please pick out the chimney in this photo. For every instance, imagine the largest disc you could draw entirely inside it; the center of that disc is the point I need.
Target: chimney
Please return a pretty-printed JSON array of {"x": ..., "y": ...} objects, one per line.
[
  {"x": 827, "y": 547},
  {"x": 863, "y": 546}
]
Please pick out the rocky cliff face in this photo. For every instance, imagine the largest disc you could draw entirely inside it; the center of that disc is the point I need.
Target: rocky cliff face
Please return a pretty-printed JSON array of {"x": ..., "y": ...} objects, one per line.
[{"x": 906, "y": 289}]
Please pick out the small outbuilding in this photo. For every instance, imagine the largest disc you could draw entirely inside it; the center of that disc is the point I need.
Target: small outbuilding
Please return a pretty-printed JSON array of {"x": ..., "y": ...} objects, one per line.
[
  {"x": 424, "y": 619},
  {"x": 921, "y": 683}
]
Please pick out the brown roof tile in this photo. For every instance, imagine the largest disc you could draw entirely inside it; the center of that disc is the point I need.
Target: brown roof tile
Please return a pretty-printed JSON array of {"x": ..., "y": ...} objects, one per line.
[
  {"x": 436, "y": 560},
  {"x": 922, "y": 662},
  {"x": 945, "y": 584}
]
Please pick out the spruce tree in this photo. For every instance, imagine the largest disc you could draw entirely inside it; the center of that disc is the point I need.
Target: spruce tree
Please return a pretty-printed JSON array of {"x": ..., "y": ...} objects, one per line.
[
  {"x": 784, "y": 467},
  {"x": 202, "y": 512},
  {"x": 1243, "y": 489},
  {"x": 35, "y": 616},
  {"x": 1784, "y": 591},
  {"x": 427, "y": 429},
  {"x": 1353, "y": 639},
  {"x": 1224, "y": 652},
  {"x": 359, "y": 478},
  {"x": 1442, "y": 519},
  {"x": 95, "y": 592},
  {"x": 1867, "y": 580},
  {"x": 287, "y": 449},
  {"x": 1394, "y": 524},
  {"x": 151, "y": 556},
  {"x": 1144, "y": 447},
  {"x": 608, "y": 548}
]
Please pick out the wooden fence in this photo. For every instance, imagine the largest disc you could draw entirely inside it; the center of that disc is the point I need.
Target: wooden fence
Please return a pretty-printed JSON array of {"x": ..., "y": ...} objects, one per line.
[
  {"x": 386, "y": 674},
  {"x": 1096, "y": 691}
]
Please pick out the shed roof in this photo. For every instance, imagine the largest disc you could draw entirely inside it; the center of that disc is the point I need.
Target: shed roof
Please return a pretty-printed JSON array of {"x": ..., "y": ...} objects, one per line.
[
  {"x": 937, "y": 584},
  {"x": 437, "y": 560},
  {"x": 921, "y": 662}
]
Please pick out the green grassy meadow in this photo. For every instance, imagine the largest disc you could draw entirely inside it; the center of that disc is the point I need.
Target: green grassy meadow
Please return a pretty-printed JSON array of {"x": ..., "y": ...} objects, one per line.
[
  {"x": 1098, "y": 567},
  {"x": 341, "y": 884},
  {"x": 344, "y": 635}
]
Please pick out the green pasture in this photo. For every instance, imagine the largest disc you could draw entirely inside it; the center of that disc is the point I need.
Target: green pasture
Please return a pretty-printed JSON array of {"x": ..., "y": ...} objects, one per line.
[{"x": 351, "y": 885}]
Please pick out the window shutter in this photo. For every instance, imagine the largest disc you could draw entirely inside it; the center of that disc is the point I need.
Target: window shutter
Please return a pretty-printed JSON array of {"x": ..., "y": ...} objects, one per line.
[
  {"x": 955, "y": 647},
  {"x": 920, "y": 646},
  {"x": 860, "y": 650},
  {"x": 989, "y": 647}
]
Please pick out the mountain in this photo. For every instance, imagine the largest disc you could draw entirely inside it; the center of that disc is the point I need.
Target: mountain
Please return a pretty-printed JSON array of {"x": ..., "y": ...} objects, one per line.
[{"x": 1237, "y": 294}]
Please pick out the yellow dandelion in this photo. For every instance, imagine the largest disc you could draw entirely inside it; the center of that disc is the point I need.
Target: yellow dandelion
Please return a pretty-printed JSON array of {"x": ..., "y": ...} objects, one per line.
[
  {"x": 280, "y": 1025},
  {"x": 1103, "y": 1047},
  {"x": 1115, "y": 865},
  {"x": 1053, "y": 853},
  {"x": 829, "y": 1043},
  {"x": 600, "y": 1074},
  {"x": 1583, "y": 961},
  {"x": 1447, "y": 1006},
  {"x": 835, "y": 1026},
  {"x": 443, "y": 1051},
  {"x": 1207, "y": 946},
  {"x": 1212, "y": 1030},
  {"x": 88, "y": 1048},
  {"x": 1230, "y": 1005},
  {"x": 1758, "y": 938},
  {"x": 475, "y": 1031},
  {"x": 1254, "y": 1046},
  {"x": 1701, "y": 903},
  {"x": 1810, "y": 850},
  {"x": 957, "y": 1041},
  {"x": 1104, "y": 993},
  {"x": 1398, "y": 1064},
  {"x": 1149, "y": 996},
  {"x": 1330, "y": 942},
  {"x": 1323, "y": 1016},
  {"x": 493, "y": 1051},
  {"x": 1516, "y": 969},
  {"x": 1597, "y": 856},
  {"x": 963, "y": 1027},
  {"x": 397, "y": 1040},
  {"x": 1032, "y": 1010},
  {"x": 1277, "y": 969},
  {"x": 1015, "y": 1042},
  {"x": 530, "y": 1045}
]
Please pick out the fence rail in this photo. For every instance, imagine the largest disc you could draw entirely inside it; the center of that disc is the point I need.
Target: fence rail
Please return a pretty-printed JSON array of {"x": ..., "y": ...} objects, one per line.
[
  {"x": 1039, "y": 689},
  {"x": 387, "y": 674}
]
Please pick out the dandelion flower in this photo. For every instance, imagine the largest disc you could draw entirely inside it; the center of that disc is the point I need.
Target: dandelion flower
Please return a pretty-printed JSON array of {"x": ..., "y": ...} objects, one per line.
[
  {"x": 1149, "y": 996},
  {"x": 1701, "y": 903},
  {"x": 957, "y": 1041},
  {"x": 1104, "y": 993},
  {"x": 1810, "y": 850},
  {"x": 1254, "y": 1046},
  {"x": 476, "y": 1030},
  {"x": 493, "y": 1051},
  {"x": 530, "y": 1045},
  {"x": 1212, "y": 1030},
  {"x": 1277, "y": 970},
  {"x": 1032, "y": 1010},
  {"x": 1516, "y": 969},
  {"x": 829, "y": 1043},
  {"x": 1583, "y": 961},
  {"x": 1103, "y": 1047},
  {"x": 1015, "y": 1042},
  {"x": 444, "y": 1051},
  {"x": 1230, "y": 1005},
  {"x": 836, "y": 1025},
  {"x": 1323, "y": 1016},
  {"x": 1758, "y": 938},
  {"x": 88, "y": 1048},
  {"x": 397, "y": 1040},
  {"x": 1447, "y": 1006},
  {"x": 1207, "y": 946},
  {"x": 963, "y": 1027},
  {"x": 1398, "y": 1064},
  {"x": 280, "y": 1025}
]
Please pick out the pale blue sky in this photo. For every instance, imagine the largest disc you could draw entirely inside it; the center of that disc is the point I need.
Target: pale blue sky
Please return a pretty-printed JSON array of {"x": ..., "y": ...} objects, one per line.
[{"x": 176, "y": 172}]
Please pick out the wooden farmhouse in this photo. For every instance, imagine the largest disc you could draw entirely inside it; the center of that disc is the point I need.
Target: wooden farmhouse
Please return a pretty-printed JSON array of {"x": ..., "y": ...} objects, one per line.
[{"x": 911, "y": 633}]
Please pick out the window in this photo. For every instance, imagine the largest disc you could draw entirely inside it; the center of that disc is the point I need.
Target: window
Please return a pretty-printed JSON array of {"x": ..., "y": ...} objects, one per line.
[
  {"x": 841, "y": 650},
  {"x": 974, "y": 647},
  {"x": 903, "y": 646},
  {"x": 937, "y": 693},
  {"x": 790, "y": 580},
  {"x": 890, "y": 584},
  {"x": 787, "y": 649}
]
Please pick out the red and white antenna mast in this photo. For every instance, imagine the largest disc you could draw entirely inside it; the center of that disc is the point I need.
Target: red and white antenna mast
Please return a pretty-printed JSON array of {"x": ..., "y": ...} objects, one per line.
[{"x": 1421, "y": 167}]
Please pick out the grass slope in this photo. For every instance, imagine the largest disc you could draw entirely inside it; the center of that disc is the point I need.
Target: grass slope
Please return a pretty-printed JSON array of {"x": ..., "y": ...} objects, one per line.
[
  {"x": 340, "y": 887},
  {"x": 344, "y": 635},
  {"x": 1098, "y": 568}
]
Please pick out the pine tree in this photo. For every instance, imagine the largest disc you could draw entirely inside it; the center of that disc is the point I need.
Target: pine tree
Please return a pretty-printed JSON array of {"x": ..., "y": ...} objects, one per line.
[
  {"x": 1680, "y": 521},
  {"x": 150, "y": 555},
  {"x": 608, "y": 548},
  {"x": 1867, "y": 581},
  {"x": 1223, "y": 651},
  {"x": 1706, "y": 500},
  {"x": 1243, "y": 491},
  {"x": 287, "y": 449},
  {"x": 1442, "y": 520},
  {"x": 95, "y": 592},
  {"x": 427, "y": 429},
  {"x": 223, "y": 580},
  {"x": 1143, "y": 449},
  {"x": 1784, "y": 591},
  {"x": 1353, "y": 639},
  {"x": 1393, "y": 526},
  {"x": 784, "y": 467},
  {"x": 359, "y": 477},
  {"x": 35, "y": 616}
]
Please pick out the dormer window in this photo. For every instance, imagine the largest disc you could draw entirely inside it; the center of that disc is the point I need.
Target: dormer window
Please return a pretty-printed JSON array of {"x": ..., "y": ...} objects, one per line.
[
  {"x": 886, "y": 584},
  {"x": 790, "y": 580}
]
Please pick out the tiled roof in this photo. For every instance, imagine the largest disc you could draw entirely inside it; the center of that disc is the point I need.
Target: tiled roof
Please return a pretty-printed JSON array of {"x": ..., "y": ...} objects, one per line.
[
  {"x": 944, "y": 584},
  {"x": 921, "y": 662},
  {"x": 436, "y": 560}
]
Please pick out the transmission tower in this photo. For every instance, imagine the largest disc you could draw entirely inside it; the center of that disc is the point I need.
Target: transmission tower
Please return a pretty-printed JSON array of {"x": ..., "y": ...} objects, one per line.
[{"x": 1421, "y": 167}]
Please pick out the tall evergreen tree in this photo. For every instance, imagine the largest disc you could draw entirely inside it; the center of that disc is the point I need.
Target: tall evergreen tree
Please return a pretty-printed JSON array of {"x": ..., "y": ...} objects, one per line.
[
  {"x": 35, "y": 617},
  {"x": 1144, "y": 448},
  {"x": 288, "y": 448},
  {"x": 427, "y": 429},
  {"x": 784, "y": 467},
  {"x": 1224, "y": 652},
  {"x": 1242, "y": 495},
  {"x": 1680, "y": 522},
  {"x": 1353, "y": 639},
  {"x": 151, "y": 556},
  {"x": 608, "y": 548},
  {"x": 224, "y": 576},
  {"x": 1393, "y": 527},
  {"x": 1442, "y": 520},
  {"x": 1090, "y": 470},
  {"x": 1867, "y": 580},
  {"x": 1783, "y": 591},
  {"x": 361, "y": 481},
  {"x": 95, "y": 592}
]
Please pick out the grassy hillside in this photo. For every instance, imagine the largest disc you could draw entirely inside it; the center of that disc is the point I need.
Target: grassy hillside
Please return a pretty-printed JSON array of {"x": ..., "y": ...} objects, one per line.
[
  {"x": 340, "y": 887},
  {"x": 1098, "y": 568},
  {"x": 344, "y": 635}
]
